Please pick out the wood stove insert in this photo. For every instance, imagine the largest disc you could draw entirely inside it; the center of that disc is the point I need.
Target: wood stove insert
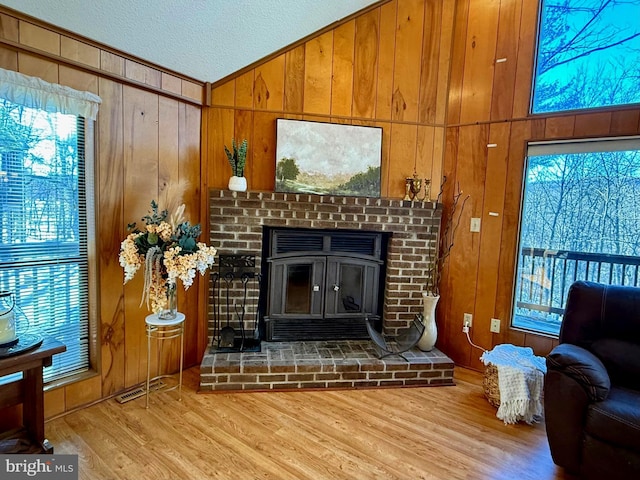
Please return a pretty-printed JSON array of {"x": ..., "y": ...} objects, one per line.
[{"x": 322, "y": 284}]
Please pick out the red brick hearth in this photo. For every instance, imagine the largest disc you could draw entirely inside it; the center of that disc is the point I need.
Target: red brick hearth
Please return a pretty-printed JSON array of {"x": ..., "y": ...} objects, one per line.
[
  {"x": 323, "y": 364},
  {"x": 236, "y": 226}
]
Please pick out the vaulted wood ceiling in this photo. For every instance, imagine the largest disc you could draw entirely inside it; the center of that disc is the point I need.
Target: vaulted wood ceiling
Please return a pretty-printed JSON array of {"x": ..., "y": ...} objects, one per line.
[{"x": 203, "y": 39}]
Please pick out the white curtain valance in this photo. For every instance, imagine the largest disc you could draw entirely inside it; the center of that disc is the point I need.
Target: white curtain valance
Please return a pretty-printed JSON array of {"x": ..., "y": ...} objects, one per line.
[{"x": 33, "y": 92}]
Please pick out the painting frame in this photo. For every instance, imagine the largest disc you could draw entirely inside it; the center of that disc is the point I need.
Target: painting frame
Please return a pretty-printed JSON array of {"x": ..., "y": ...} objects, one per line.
[{"x": 324, "y": 158}]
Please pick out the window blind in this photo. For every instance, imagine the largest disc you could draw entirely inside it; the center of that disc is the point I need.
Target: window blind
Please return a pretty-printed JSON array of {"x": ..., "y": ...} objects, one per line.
[
  {"x": 564, "y": 147},
  {"x": 44, "y": 217}
]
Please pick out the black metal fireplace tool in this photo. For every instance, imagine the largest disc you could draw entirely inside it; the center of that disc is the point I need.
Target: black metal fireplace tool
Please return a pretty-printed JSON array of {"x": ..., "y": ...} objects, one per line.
[{"x": 239, "y": 274}]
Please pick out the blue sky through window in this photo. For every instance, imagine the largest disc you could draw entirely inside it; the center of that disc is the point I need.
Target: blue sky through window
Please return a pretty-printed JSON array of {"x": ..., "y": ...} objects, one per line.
[{"x": 588, "y": 55}]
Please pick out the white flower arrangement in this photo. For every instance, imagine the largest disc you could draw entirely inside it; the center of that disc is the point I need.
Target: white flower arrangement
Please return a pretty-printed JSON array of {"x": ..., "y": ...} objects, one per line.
[{"x": 168, "y": 251}]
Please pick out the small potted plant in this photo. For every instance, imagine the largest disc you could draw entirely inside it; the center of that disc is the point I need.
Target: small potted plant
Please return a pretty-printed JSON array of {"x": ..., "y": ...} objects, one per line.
[{"x": 237, "y": 159}]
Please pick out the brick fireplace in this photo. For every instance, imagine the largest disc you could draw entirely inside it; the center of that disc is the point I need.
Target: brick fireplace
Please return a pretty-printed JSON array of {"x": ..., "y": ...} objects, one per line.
[{"x": 237, "y": 221}]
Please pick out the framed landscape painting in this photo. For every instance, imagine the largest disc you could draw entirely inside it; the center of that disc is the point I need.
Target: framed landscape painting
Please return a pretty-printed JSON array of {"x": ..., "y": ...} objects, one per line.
[{"x": 328, "y": 158}]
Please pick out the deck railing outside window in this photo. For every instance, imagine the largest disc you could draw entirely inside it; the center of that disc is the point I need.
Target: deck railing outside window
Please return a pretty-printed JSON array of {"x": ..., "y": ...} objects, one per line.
[{"x": 545, "y": 277}]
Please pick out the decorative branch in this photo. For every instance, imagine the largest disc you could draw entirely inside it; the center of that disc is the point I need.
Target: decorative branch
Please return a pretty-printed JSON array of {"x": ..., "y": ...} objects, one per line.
[{"x": 440, "y": 254}]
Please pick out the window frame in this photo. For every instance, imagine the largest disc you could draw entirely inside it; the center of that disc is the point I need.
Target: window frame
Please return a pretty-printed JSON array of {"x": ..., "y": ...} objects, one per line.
[
  {"x": 87, "y": 152},
  {"x": 550, "y": 147},
  {"x": 534, "y": 81},
  {"x": 91, "y": 180}
]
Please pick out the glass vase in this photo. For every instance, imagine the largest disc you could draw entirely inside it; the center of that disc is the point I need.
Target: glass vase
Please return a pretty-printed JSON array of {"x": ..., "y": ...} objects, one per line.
[
  {"x": 171, "y": 311},
  {"x": 7, "y": 319}
]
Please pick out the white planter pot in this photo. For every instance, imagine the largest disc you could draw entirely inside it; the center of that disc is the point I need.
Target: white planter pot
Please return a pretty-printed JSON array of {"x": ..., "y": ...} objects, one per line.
[
  {"x": 430, "y": 335},
  {"x": 238, "y": 184}
]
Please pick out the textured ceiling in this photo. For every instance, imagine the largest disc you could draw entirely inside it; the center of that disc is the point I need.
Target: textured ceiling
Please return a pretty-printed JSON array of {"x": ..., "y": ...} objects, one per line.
[{"x": 203, "y": 39}]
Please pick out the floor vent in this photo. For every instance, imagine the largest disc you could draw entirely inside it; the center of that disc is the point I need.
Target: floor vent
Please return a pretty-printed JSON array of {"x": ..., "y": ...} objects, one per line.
[{"x": 139, "y": 391}]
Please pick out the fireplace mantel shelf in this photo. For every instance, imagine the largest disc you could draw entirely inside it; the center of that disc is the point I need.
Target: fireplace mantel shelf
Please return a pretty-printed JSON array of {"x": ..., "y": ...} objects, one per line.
[{"x": 330, "y": 199}]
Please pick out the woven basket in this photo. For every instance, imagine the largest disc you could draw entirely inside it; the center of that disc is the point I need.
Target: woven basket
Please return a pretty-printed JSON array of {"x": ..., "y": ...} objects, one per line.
[{"x": 490, "y": 385}]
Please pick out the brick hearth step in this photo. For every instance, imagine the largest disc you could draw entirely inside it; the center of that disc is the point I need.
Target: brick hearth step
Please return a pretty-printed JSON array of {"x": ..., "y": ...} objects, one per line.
[{"x": 322, "y": 364}]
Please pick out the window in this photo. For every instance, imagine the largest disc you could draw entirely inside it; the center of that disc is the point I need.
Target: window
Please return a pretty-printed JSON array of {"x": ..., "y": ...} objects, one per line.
[
  {"x": 588, "y": 55},
  {"x": 580, "y": 221},
  {"x": 46, "y": 213}
]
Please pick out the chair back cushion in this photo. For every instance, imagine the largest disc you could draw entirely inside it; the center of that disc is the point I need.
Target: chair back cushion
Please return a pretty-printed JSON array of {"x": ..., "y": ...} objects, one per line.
[
  {"x": 621, "y": 359},
  {"x": 594, "y": 311},
  {"x": 605, "y": 319}
]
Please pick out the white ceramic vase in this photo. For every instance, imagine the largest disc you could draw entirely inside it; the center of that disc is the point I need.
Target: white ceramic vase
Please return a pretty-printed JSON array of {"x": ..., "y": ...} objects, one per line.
[
  {"x": 430, "y": 335},
  {"x": 238, "y": 184}
]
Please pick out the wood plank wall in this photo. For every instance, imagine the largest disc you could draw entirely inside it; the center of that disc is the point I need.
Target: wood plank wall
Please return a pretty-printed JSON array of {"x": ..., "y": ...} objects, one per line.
[
  {"x": 387, "y": 67},
  {"x": 147, "y": 137},
  {"x": 488, "y": 104},
  {"x": 425, "y": 71}
]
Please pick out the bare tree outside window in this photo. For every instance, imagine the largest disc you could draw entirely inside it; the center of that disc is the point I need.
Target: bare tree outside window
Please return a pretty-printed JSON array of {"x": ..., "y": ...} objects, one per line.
[
  {"x": 580, "y": 217},
  {"x": 43, "y": 239},
  {"x": 580, "y": 221},
  {"x": 588, "y": 55}
]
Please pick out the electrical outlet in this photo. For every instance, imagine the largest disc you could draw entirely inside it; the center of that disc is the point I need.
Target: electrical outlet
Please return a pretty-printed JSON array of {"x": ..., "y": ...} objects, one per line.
[
  {"x": 467, "y": 320},
  {"x": 475, "y": 224},
  {"x": 495, "y": 325}
]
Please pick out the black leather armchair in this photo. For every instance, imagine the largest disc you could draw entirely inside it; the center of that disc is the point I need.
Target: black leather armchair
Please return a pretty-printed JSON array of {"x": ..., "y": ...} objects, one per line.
[{"x": 592, "y": 385}]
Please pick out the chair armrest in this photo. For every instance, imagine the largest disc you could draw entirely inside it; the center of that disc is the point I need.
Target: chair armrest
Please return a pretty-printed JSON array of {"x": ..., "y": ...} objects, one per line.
[
  {"x": 565, "y": 408},
  {"x": 583, "y": 367}
]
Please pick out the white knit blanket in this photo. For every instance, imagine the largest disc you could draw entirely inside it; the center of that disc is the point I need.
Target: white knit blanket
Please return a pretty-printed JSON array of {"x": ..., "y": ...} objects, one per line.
[{"x": 520, "y": 380}]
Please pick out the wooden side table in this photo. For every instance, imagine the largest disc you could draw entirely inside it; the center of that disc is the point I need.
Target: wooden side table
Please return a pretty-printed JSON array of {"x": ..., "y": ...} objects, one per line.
[
  {"x": 163, "y": 330},
  {"x": 29, "y": 392}
]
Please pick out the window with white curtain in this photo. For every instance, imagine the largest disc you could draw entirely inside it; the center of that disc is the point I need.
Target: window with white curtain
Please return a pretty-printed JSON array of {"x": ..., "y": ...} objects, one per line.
[{"x": 46, "y": 212}]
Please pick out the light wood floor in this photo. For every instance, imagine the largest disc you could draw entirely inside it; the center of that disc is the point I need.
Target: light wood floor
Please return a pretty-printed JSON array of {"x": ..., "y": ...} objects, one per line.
[{"x": 409, "y": 433}]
